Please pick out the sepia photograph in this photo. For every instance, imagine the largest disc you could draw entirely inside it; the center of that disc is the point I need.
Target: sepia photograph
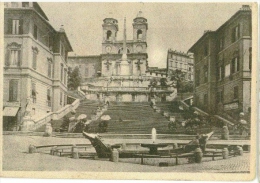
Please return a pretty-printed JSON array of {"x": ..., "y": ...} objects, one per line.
[{"x": 132, "y": 90}]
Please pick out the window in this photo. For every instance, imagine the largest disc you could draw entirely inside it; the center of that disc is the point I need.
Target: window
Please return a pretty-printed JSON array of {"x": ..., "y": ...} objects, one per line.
[
  {"x": 250, "y": 58},
  {"x": 13, "y": 90},
  {"x": 61, "y": 98},
  {"x": 49, "y": 68},
  {"x": 139, "y": 34},
  {"x": 25, "y": 4},
  {"x": 170, "y": 63},
  {"x": 61, "y": 72},
  {"x": 220, "y": 73},
  {"x": 15, "y": 27},
  {"x": 34, "y": 92},
  {"x": 180, "y": 65},
  {"x": 236, "y": 92},
  {"x": 14, "y": 4},
  {"x": 133, "y": 97},
  {"x": 62, "y": 50},
  {"x": 49, "y": 97},
  {"x": 227, "y": 70},
  {"x": 109, "y": 34},
  {"x": 221, "y": 44},
  {"x": 235, "y": 65},
  {"x": 189, "y": 68},
  {"x": 35, "y": 32},
  {"x": 34, "y": 59},
  {"x": 65, "y": 76},
  {"x": 15, "y": 56},
  {"x": 235, "y": 33}
]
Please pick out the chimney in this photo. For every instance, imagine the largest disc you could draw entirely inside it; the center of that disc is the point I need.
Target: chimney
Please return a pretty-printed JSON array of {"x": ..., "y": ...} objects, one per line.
[
  {"x": 245, "y": 8},
  {"x": 62, "y": 28}
]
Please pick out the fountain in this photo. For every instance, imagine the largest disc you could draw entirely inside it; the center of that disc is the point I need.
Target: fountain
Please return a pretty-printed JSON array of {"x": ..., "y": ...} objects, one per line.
[{"x": 153, "y": 146}]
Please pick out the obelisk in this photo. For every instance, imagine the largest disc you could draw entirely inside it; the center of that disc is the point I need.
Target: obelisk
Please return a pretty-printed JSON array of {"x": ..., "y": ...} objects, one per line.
[{"x": 124, "y": 65}]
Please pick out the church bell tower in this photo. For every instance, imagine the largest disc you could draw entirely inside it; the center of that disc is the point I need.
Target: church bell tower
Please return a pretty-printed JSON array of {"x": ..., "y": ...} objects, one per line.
[
  {"x": 110, "y": 28},
  {"x": 140, "y": 27}
]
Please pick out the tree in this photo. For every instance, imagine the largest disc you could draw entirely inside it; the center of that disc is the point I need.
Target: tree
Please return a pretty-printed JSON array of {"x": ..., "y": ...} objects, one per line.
[
  {"x": 178, "y": 76},
  {"x": 74, "y": 78}
]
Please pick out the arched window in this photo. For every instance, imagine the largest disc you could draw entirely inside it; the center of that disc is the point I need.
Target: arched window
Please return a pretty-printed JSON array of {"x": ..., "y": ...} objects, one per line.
[
  {"x": 120, "y": 51},
  {"x": 109, "y": 34},
  {"x": 139, "y": 34}
]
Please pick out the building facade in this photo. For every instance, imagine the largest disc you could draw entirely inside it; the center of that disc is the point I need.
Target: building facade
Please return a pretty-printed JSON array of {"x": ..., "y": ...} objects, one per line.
[
  {"x": 120, "y": 73},
  {"x": 35, "y": 68},
  {"x": 222, "y": 65},
  {"x": 180, "y": 61},
  {"x": 89, "y": 66}
]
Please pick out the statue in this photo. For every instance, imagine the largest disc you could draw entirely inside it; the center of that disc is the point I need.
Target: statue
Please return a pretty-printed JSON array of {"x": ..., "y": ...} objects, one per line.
[{"x": 28, "y": 108}]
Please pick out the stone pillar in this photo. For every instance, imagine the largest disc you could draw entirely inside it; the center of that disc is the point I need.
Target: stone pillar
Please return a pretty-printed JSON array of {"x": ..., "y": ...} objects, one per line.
[
  {"x": 240, "y": 150},
  {"x": 115, "y": 155},
  {"x": 75, "y": 152},
  {"x": 225, "y": 153},
  {"x": 32, "y": 149},
  {"x": 198, "y": 155},
  {"x": 48, "y": 130},
  {"x": 225, "y": 133}
]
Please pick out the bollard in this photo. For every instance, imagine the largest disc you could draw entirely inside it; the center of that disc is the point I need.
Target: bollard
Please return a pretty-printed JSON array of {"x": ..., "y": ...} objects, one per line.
[
  {"x": 51, "y": 151},
  {"x": 240, "y": 150},
  {"x": 115, "y": 155},
  {"x": 54, "y": 151},
  {"x": 198, "y": 155},
  {"x": 75, "y": 153},
  {"x": 225, "y": 153},
  {"x": 32, "y": 149}
]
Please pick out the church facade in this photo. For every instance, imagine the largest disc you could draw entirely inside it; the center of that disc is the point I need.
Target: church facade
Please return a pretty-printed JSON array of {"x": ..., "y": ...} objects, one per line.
[{"x": 119, "y": 73}]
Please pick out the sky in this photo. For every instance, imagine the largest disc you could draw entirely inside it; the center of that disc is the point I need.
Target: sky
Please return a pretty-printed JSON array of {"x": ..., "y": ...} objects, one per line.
[{"x": 170, "y": 25}]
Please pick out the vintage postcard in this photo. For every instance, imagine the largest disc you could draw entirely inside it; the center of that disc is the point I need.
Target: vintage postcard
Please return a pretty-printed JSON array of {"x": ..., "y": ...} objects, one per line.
[{"x": 129, "y": 90}]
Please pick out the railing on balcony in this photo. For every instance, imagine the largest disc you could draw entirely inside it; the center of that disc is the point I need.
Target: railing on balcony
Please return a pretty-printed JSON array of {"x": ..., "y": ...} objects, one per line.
[{"x": 127, "y": 88}]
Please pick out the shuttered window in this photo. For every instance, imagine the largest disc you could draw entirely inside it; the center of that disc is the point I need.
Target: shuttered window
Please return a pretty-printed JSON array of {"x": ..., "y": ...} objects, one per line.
[
  {"x": 13, "y": 90},
  {"x": 235, "y": 33},
  {"x": 49, "y": 97},
  {"x": 34, "y": 64},
  {"x": 15, "y": 26},
  {"x": 35, "y": 32},
  {"x": 34, "y": 92},
  {"x": 61, "y": 72}
]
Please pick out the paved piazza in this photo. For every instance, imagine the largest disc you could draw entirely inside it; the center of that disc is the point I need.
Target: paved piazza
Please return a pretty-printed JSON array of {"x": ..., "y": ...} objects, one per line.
[{"x": 16, "y": 158}]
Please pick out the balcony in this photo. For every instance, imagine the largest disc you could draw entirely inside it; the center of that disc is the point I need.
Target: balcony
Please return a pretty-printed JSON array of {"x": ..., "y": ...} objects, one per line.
[{"x": 127, "y": 89}]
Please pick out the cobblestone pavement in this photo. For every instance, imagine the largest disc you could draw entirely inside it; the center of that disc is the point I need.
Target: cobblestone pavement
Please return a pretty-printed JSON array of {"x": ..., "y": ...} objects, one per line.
[{"x": 15, "y": 158}]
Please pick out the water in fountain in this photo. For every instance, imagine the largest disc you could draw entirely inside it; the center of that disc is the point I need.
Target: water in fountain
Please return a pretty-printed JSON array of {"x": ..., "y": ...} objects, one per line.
[{"x": 153, "y": 135}]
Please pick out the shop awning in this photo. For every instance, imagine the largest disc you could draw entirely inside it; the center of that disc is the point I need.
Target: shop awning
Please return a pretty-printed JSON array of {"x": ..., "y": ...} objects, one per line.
[{"x": 10, "y": 111}]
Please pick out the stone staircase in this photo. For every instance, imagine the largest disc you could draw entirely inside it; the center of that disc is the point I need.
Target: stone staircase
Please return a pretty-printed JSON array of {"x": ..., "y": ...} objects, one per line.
[{"x": 137, "y": 118}]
